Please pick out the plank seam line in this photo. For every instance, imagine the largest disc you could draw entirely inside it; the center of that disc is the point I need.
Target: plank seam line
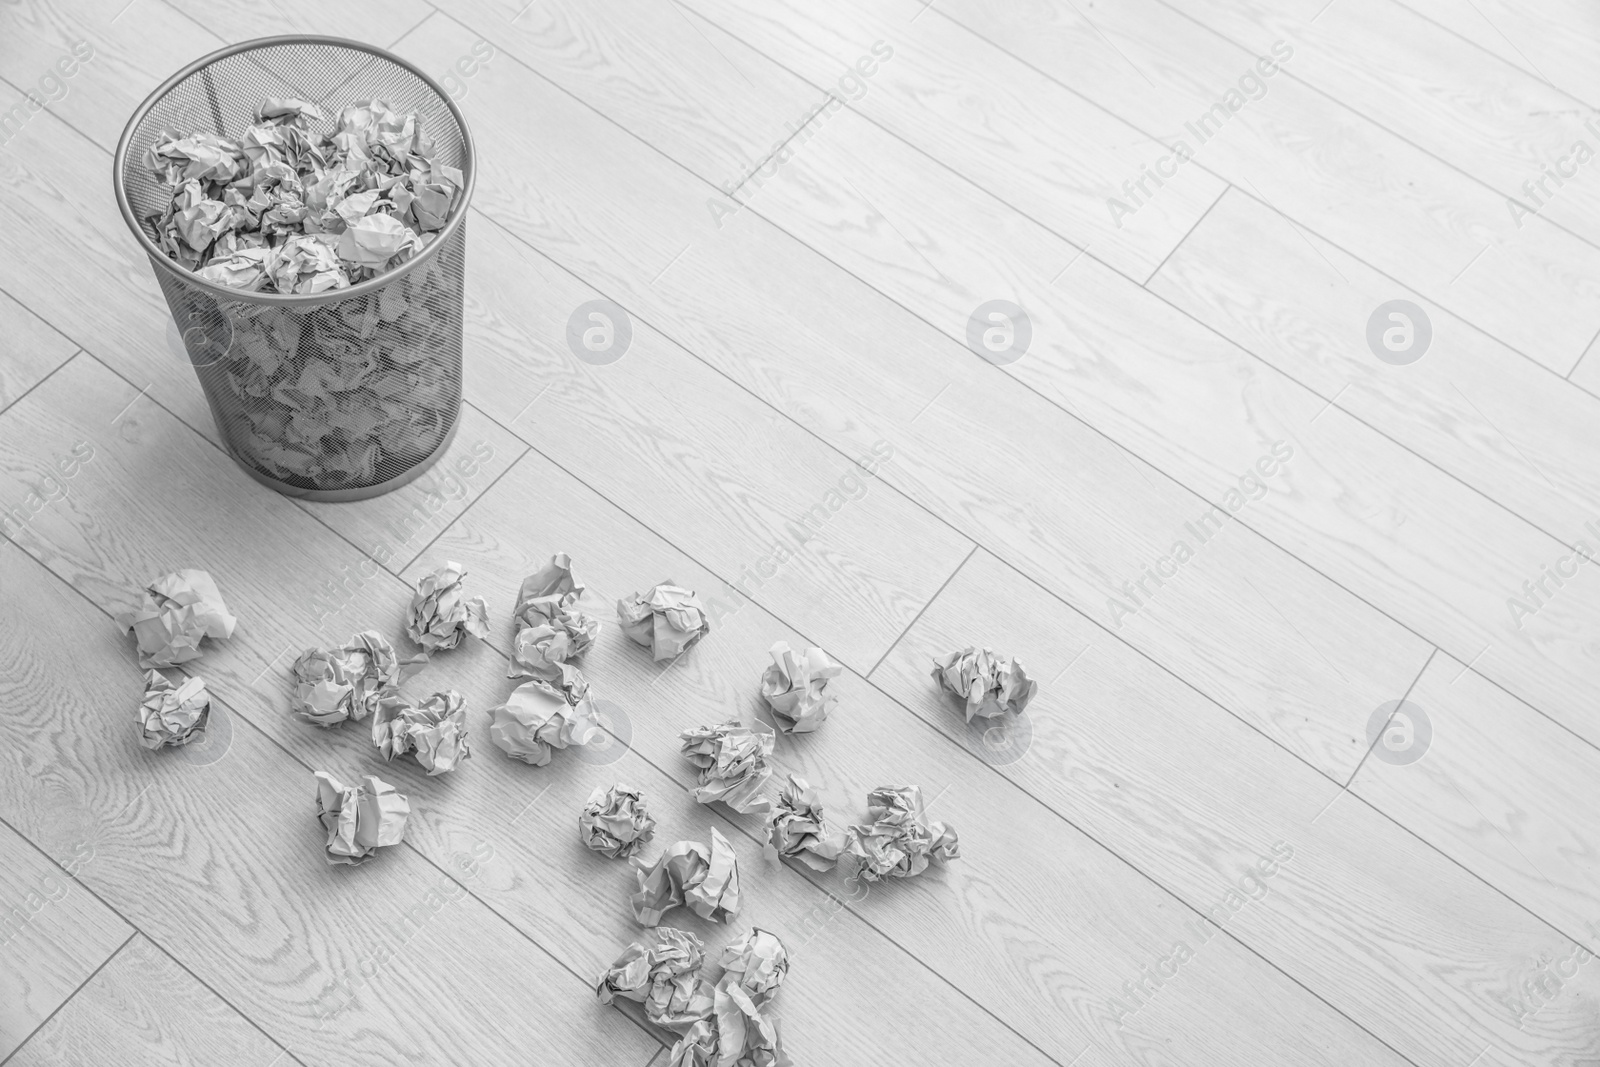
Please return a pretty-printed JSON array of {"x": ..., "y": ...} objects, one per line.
[
  {"x": 1447, "y": 164},
  {"x": 1406, "y": 696},
  {"x": 1313, "y": 232},
  {"x": 1013, "y": 784},
  {"x": 913, "y": 623},
  {"x": 1001, "y": 556},
  {"x": 1270, "y": 368},
  {"x": 70, "y": 997},
  {"x": 1330, "y": 242},
  {"x": 442, "y": 529},
  {"x": 138, "y": 930},
  {"x": 1531, "y": 74},
  {"x": 239, "y": 714},
  {"x": 1145, "y": 285},
  {"x": 51, "y": 373}
]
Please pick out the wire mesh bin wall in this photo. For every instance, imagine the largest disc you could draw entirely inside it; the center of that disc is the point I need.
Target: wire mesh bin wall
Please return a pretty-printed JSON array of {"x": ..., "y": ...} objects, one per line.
[{"x": 337, "y": 395}]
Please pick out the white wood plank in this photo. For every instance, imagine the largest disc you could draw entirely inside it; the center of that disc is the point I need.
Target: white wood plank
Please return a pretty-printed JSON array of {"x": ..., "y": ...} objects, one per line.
[
  {"x": 379, "y": 22},
  {"x": 53, "y": 932},
  {"x": 1035, "y": 922},
  {"x": 121, "y": 58},
  {"x": 33, "y": 350},
  {"x": 1586, "y": 375},
  {"x": 1389, "y": 931},
  {"x": 1349, "y": 181},
  {"x": 144, "y": 1009},
  {"x": 1408, "y": 74},
  {"x": 1501, "y": 790},
  {"x": 1520, "y": 435},
  {"x": 682, "y": 83},
  {"x": 1378, "y": 519},
  {"x": 695, "y": 457},
  {"x": 1555, "y": 39},
  {"x": 1043, "y": 148},
  {"x": 971, "y": 445}
]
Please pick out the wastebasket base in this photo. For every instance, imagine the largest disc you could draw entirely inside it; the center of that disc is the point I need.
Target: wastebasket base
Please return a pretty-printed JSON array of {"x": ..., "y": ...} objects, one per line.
[{"x": 365, "y": 492}]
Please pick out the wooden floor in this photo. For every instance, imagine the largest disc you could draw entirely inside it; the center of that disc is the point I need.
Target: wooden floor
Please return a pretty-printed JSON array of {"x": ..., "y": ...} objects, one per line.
[{"x": 800, "y": 280}]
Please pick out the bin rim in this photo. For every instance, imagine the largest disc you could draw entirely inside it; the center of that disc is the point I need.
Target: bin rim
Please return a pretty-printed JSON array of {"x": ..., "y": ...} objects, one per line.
[{"x": 294, "y": 300}]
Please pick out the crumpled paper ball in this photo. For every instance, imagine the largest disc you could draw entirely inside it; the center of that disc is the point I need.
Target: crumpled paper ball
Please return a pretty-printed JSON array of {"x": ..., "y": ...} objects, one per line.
[
  {"x": 898, "y": 840},
  {"x": 663, "y": 976},
  {"x": 361, "y": 820},
  {"x": 614, "y": 822},
  {"x": 538, "y": 718},
  {"x": 374, "y": 190},
  {"x": 175, "y": 611},
  {"x": 550, "y": 628},
  {"x": 733, "y": 763},
  {"x": 435, "y": 730},
  {"x": 990, "y": 684},
  {"x": 736, "y": 1035},
  {"x": 687, "y": 873},
  {"x": 796, "y": 687},
  {"x": 333, "y": 685},
  {"x": 758, "y": 963},
  {"x": 441, "y": 615},
  {"x": 668, "y": 620},
  {"x": 796, "y": 829},
  {"x": 172, "y": 714}
]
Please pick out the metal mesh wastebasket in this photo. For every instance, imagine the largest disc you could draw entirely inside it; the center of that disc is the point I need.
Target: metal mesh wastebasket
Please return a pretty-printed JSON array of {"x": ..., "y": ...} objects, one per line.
[{"x": 338, "y": 395}]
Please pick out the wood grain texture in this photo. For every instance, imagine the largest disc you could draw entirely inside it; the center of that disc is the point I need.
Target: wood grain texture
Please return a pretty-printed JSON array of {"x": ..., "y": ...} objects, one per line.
[
  {"x": 538, "y": 878},
  {"x": 123, "y": 58},
  {"x": 394, "y": 528},
  {"x": 380, "y": 22},
  {"x": 784, "y": 325},
  {"x": 59, "y": 205},
  {"x": 1502, "y": 791},
  {"x": 1351, "y": 503},
  {"x": 971, "y": 445},
  {"x": 221, "y": 864},
  {"x": 1554, "y": 39},
  {"x": 1352, "y": 182},
  {"x": 33, "y": 350},
  {"x": 1491, "y": 419},
  {"x": 703, "y": 462},
  {"x": 1488, "y": 119},
  {"x": 1090, "y": 920},
  {"x": 680, "y": 82},
  {"x": 53, "y": 932},
  {"x": 144, "y": 1009},
  {"x": 1407, "y": 944},
  {"x": 1043, "y": 148},
  {"x": 1587, "y": 373}
]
